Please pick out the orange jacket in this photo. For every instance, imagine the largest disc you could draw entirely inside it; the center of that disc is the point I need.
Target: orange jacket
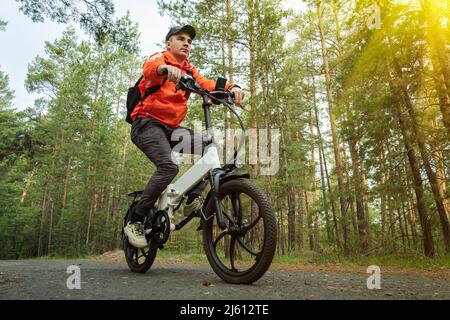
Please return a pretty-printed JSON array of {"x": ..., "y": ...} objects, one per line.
[{"x": 166, "y": 105}]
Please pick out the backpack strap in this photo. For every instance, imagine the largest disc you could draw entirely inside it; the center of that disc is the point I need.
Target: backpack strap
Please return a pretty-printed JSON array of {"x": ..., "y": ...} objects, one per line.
[
  {"x": 149, "y": 91},
  {"x": 153, "y": 89},
  {"x": 139, "y": 81}
]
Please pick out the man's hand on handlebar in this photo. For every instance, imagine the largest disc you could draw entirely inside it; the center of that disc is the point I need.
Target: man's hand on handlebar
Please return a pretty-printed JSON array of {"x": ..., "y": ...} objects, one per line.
[
  {"x": 187, "y": 82},
  {"x": 238, "y": 95},
  {"x": 173, "y": 73}
]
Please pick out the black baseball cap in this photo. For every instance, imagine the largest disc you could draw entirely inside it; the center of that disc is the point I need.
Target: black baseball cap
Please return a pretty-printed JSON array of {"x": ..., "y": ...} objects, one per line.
[{"x": 190, "y": 30}]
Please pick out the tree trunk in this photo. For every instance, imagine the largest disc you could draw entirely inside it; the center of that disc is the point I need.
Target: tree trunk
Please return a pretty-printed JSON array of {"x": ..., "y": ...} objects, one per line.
[
  {"x": 315, "y": 210},
  {"x": 428, "y": 242},
  {"x": 55, "y": 153},
  {"x": 50, "y": 227},
  {"x": 411, "y": 215},
  {"x": 282, "y": 232},
  {"x": 322, "y": 153},
  {"x": 357, "y": 180},
  {"x": 439, "y": 58},
  {"x": 290, "y": 199},
  {"x": 230, "y": 42},
  {"x": 305, "y": 194},
  {"x": 383, "y": 221},
  {"x": 349, "y": 195},
  {"x": 291, "y": 219},
  {"x": 325, "y": 200},
  {"x": 335, "y": 137},
  {"x": 253, "y": 148},
  {"x": 405, "y": 221},
  {"x": 438, "y": 156},
  {"x": 66, "y": 185},
  {"x": 278, "y": 217},
  {"x": 392, "y": 221},
  {"x": 402, "y": 229},
  {"x": 300, "y": 222},
  {"x": 425, "y": 157},
  {"x": 365, "y": 192},
  {"x": 412, "y": 220},
  {"x": 254, "y": 111},
  {"x": 91, "y": 213},
  {"x": 383, "y": 198},
  {"x": 42, "y": 220},
  {"x": 27, "y": 185},
  {"x": 224, "y": 38},
  {"x": 93, "y": 204},
  {"x": 75, "y": 179}
]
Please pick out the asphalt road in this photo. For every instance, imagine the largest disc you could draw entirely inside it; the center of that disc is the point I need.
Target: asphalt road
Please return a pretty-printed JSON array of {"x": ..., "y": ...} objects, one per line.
[{"x": 47, "y": 279}]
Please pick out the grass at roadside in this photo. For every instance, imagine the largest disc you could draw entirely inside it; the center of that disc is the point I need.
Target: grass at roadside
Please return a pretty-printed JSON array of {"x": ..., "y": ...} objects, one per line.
[
  {"x": 62, "y": 257},
  {"x": 195, "y": 257},
  {"x": 298, "y": 259},
  {"x": 408, "y": 261}
]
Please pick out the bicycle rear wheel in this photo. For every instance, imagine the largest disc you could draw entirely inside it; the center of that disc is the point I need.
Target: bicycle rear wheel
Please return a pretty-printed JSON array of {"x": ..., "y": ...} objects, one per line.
[
  {"x": 243, "y": 252},
  {"x": 138, "y": 260}
]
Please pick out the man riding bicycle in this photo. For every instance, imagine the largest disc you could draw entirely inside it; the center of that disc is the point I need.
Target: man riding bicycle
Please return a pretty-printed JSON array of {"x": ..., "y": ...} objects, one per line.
[{"x": 156, "y": 121}]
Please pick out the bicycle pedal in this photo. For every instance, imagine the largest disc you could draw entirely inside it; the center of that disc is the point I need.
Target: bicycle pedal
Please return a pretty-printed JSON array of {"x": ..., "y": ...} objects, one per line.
[{"x": 161, "y": 247}]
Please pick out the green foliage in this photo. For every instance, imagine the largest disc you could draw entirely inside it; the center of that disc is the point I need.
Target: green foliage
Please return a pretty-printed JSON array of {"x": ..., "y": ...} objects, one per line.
[
  {"x": 94, "y": 17},
  {"x": 67, "y": 163},
  {"x": 3, "y": 25},
  {"x": 59, "y": 185},
  {"x": 6, "y": 95}
]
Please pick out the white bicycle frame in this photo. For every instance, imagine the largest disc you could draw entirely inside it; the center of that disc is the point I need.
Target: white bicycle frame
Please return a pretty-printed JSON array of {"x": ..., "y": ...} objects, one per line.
[
  {"x": 174, "y": 192},
  {"x": 208, "y": 166}
]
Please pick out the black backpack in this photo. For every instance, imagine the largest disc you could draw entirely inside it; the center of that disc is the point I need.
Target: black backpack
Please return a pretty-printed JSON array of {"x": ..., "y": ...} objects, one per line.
[{"x": 134, "y": 97}]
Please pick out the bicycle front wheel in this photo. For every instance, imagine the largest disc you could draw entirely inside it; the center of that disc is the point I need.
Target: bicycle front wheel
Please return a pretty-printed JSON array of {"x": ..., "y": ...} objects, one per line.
[{"x": 243, "y": 252}]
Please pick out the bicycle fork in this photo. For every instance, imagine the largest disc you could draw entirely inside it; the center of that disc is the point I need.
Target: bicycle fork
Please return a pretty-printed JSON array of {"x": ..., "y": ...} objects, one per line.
[{"x": 214, "y": 178}]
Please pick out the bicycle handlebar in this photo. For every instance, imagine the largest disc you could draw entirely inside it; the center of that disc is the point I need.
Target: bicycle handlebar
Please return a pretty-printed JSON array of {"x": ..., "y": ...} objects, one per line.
[
  {"x": 188, "y": 83},
  {"x": 225, "y": 97}
]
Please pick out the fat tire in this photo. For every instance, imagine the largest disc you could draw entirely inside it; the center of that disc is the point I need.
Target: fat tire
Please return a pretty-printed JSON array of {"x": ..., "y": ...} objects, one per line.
[
  {"x": 270, "y": 233},
  {"x": 151, "y": 255}
]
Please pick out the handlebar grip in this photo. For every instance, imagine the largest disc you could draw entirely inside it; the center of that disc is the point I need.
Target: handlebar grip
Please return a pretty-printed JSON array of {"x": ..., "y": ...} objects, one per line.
[
  {"x": 164, "y": 72},
  {"x": 233, "y": 97}
]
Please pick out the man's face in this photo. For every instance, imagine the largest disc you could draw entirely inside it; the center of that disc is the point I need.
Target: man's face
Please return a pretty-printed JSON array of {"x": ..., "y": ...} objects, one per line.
[{"x": 179, "y": 45}]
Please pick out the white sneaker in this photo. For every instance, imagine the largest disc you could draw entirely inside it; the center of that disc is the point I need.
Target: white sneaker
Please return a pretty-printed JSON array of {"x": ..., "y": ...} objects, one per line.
[
  {"x": 195, "y": 205},
  {"x": 135, "y": 234}
]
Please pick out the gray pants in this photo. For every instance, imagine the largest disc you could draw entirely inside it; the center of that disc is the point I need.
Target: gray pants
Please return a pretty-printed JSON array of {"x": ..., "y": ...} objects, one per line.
[{"x": 157, "y": 140}]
